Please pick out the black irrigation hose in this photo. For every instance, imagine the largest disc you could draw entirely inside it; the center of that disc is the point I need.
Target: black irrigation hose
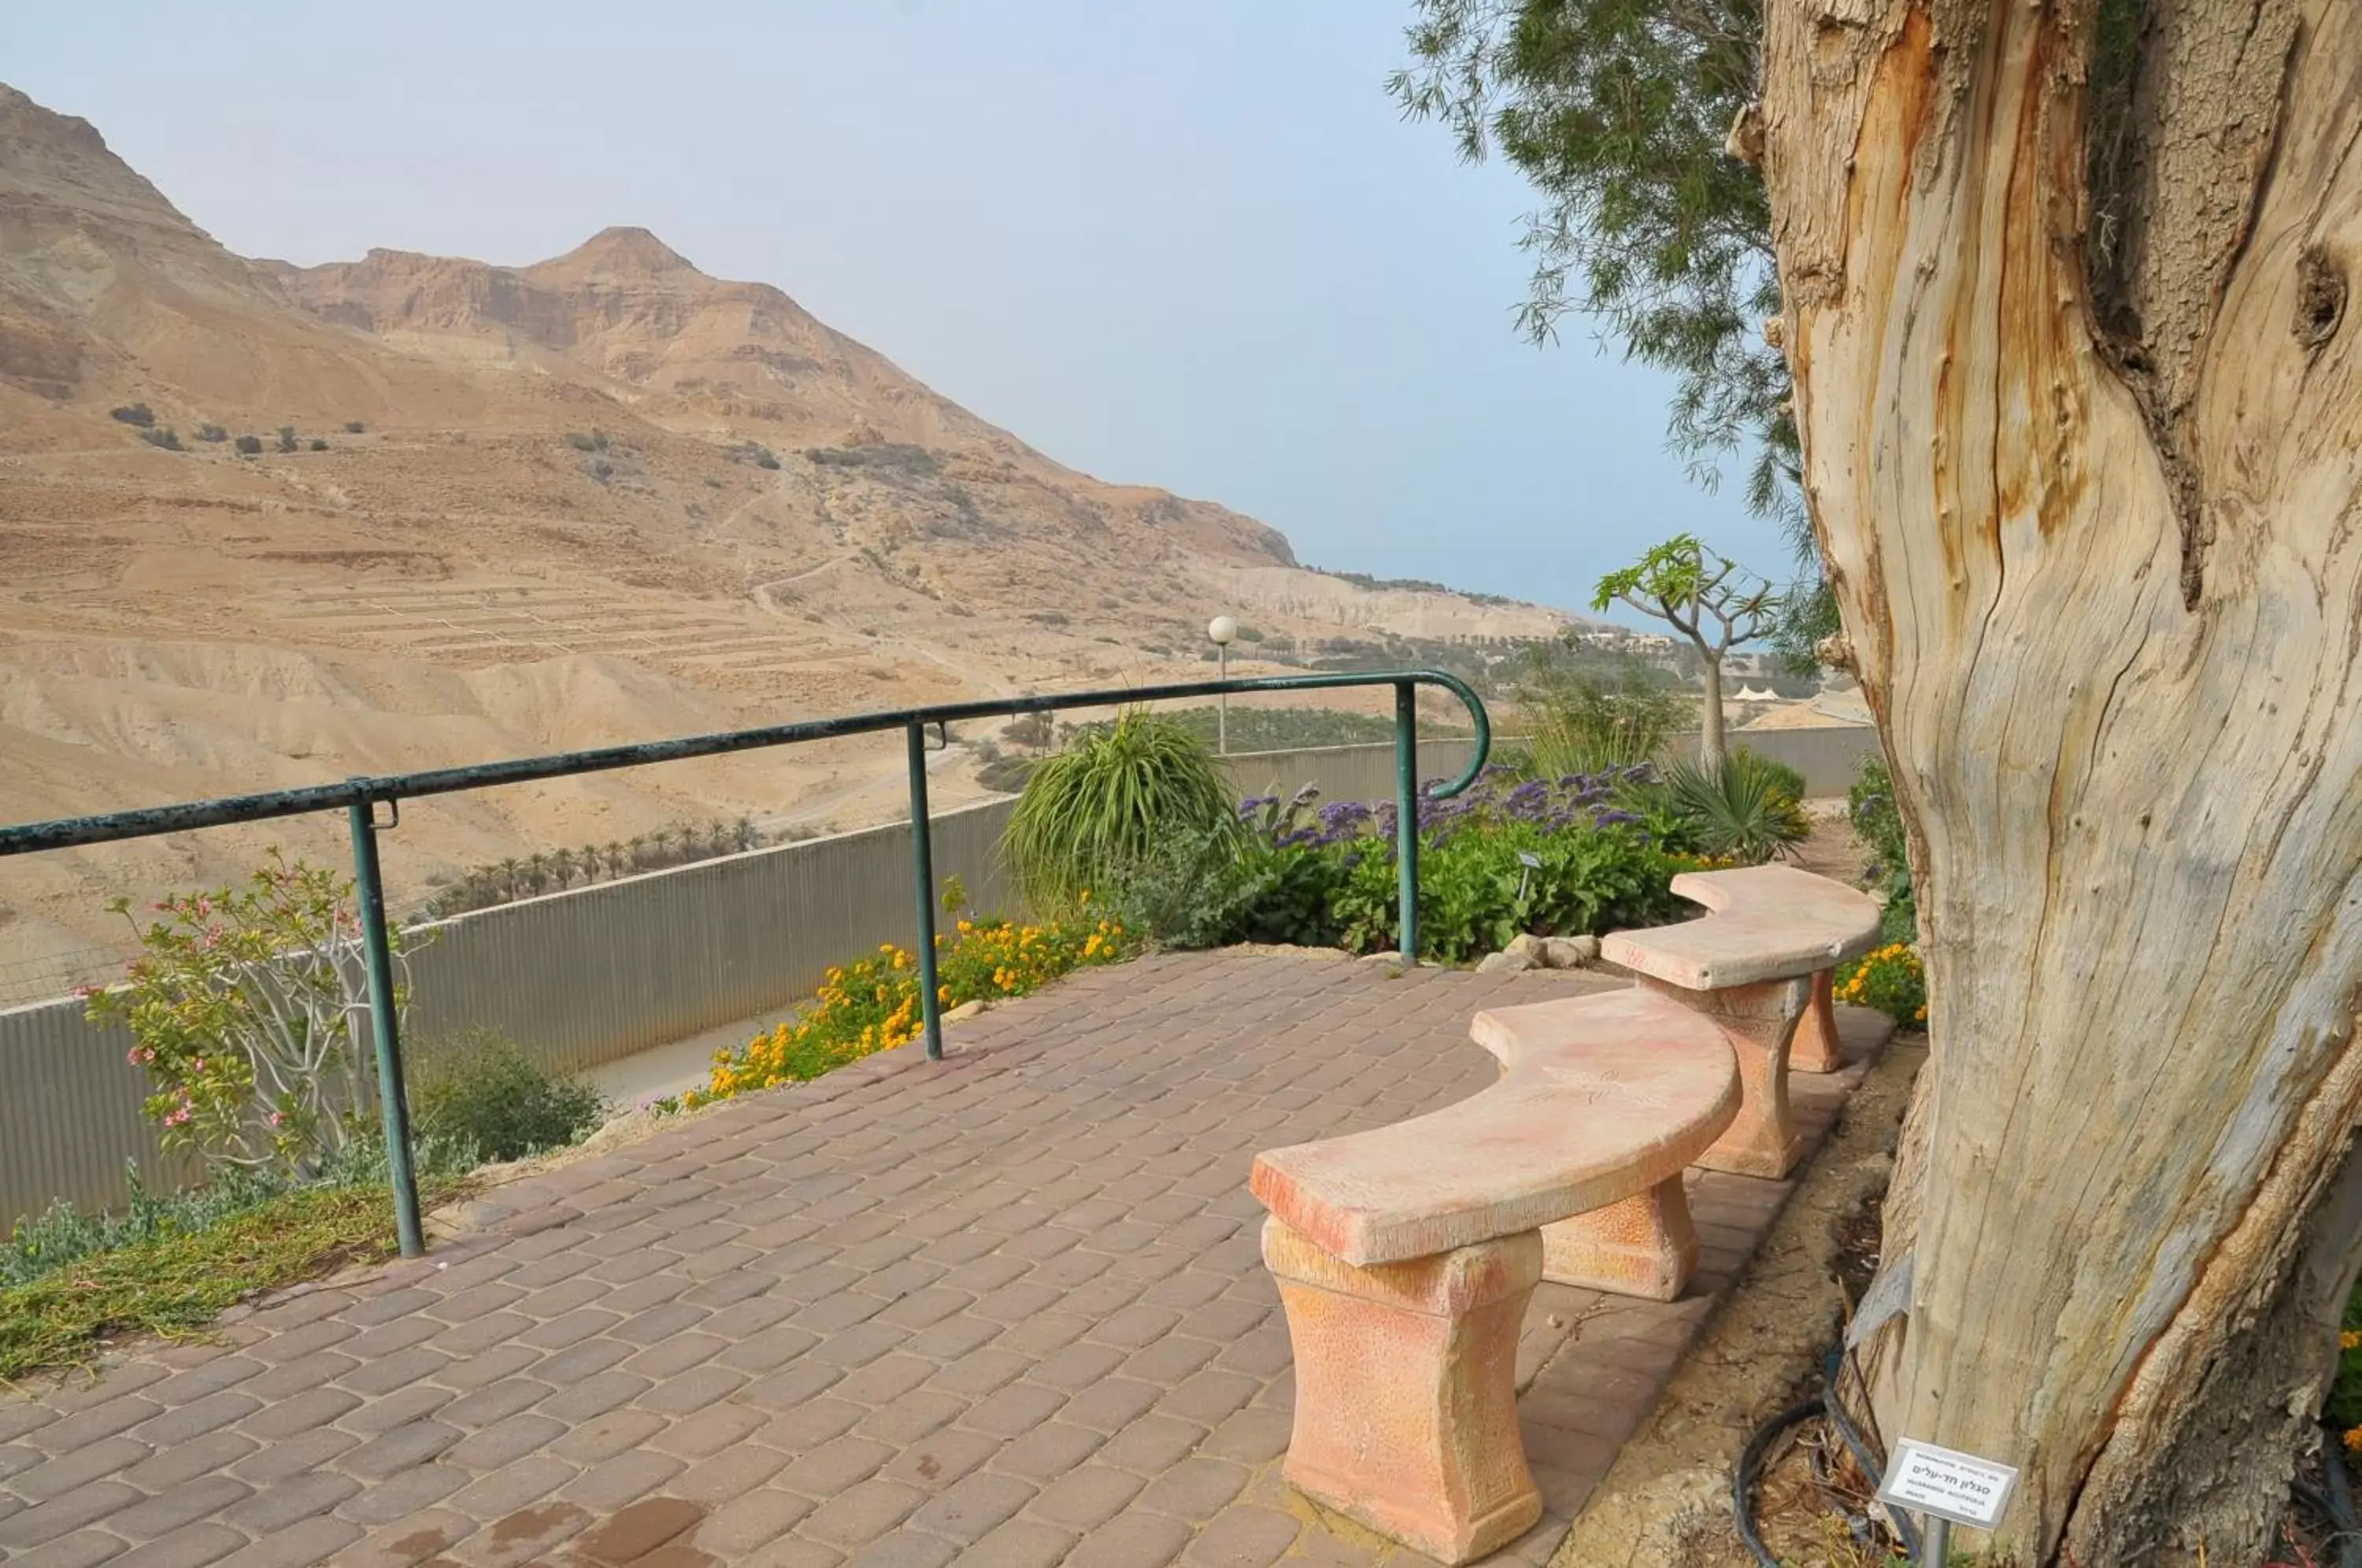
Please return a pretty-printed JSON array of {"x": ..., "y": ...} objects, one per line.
[
  {"x": 1750, "y": 1460},
  {"x": 1861, "y": 1456}
]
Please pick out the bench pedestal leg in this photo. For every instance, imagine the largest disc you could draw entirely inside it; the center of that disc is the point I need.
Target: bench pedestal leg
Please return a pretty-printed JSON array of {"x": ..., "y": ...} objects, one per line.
[
  {"x": 1760, "y": 1020},
  {"x": 1405, "y": 1389},
  {"x": 1644, "y": 1245},
  {"x": 1817, "y": 1049}
]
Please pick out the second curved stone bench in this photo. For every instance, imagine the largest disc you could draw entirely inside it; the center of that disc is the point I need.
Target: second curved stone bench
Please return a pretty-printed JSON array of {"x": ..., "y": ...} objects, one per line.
[{"x": 1751, "y": 964}]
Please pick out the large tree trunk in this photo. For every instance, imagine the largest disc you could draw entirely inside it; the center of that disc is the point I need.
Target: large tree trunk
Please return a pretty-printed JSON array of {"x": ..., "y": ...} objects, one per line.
[{"x": 2083, "y": 433}]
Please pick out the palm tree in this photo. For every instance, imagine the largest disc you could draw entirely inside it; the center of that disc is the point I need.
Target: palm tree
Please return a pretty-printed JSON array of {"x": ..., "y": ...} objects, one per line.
[
  {"x": 561, "y": 867},
  {"x": 536, "y": 872},
  {"x": 614, "y": 857},
  {"x": 509, "y": 871},
  {"x": 746, "y": 833}
]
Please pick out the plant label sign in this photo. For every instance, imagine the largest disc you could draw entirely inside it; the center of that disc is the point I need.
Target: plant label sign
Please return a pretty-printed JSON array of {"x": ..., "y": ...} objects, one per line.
[{"x": 1945, "y": 1483}]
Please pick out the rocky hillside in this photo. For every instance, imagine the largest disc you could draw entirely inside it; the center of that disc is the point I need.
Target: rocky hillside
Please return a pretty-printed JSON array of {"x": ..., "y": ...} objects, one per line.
[{"x": 262, "y": 525}]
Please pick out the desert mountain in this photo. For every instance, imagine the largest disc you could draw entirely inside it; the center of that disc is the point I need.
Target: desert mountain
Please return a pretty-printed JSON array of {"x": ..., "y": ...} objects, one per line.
[{"x": 482, "y": 510}]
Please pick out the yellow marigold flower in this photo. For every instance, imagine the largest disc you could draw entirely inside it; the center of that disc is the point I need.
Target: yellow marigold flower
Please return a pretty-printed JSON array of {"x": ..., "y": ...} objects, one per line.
[
  {"x": 942, "y": 993},
  {"x": 2353, "y": 1440},
  {"x": 2349, "y": 1340}
]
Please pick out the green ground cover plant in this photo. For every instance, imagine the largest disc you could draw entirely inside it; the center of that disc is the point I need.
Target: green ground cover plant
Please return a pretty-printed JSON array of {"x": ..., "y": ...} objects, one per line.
[{"x": 72, "y": 1284}]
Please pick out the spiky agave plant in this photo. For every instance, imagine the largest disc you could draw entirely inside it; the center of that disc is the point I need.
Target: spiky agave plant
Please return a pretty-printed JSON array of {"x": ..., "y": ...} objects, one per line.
[
  {"x": 1744, "y": 811},
  {"x": 1095, "y": 811}
]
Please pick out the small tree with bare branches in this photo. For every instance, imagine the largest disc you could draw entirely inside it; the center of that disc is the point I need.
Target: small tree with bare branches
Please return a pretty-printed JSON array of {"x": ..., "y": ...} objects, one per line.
[{"x": 1716, "y": 603}]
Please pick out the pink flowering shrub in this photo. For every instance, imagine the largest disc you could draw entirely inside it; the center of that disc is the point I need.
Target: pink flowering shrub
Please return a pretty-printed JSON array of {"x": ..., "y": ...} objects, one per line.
[{"x": 249, "y": 1007}]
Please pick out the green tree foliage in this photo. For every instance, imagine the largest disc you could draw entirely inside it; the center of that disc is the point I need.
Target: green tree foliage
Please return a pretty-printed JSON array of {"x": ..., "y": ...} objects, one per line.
[
  {"x": 1619, "y": 113},
  {"x": 1097, "y": 808}
]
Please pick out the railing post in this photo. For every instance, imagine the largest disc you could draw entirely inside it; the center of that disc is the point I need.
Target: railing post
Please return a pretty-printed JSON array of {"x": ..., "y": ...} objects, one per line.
[
  {"x": 1407, "y": 813},
  {"x": 922, "y": 872},
  {"x": 393, "y": 1098}
]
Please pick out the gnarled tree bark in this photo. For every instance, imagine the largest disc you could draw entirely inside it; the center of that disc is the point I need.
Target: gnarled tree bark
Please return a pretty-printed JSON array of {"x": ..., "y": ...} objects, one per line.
[{"x": 2065, "y": 285}]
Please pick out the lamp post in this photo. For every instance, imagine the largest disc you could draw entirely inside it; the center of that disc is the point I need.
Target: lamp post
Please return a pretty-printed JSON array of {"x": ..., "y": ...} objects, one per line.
[{"x": 1222, "y": 630}]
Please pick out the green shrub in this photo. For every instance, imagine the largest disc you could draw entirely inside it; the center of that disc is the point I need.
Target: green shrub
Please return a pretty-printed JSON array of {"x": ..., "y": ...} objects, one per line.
[
  {"x": 594, "y": 442},
  {"x": 212, "y": 432},
  {"x": 287, "y": 442},
  {"x": 480, "y": 1088},
  {"x": 162, "y": 435},
  {"x": 134, "y": 413},
  {"x": 1095, "y": 811},
  {"x": 318, "y": 444},
  {"x": 1878, "y": 823},
  {"x": 237, "y": 1008},
  {"x": 1260, "y": 883},
  {"x": 247, "y": 446},
  {"x": 354, "y": 427},
  {"x": 1554, "y": 858}
]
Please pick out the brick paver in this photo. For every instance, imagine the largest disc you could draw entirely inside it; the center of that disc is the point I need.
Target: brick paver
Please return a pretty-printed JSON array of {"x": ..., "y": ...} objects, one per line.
[{"x": 1009, "y": 1308}]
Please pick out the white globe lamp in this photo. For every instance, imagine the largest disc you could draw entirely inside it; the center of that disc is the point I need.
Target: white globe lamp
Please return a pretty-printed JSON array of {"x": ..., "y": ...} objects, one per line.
[{"x": 1222, "y": 630}]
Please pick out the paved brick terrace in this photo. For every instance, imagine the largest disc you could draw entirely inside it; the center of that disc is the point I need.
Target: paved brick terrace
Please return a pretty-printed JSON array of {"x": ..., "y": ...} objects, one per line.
[{"x": 1004, "y": 1310}]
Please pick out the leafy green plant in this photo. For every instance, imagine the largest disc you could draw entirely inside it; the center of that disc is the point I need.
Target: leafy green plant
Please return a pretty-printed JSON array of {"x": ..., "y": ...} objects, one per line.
[
  {"x": 242, "y": 1006},
  {"x": 247, "y": 446},
  {"x": 480, "y": 1089},
  {"x": 1092, "y": 813},
  {"x": 1878, "y": 823},
  {"x": 1260, "y": 883}
]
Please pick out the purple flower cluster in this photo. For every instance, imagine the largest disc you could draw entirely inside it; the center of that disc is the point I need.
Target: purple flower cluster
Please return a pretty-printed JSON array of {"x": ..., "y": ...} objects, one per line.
[{"x": 1575, "y": 802}]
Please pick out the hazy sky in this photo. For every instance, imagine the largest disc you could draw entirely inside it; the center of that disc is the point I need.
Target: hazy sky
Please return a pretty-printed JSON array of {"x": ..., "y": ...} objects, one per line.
[{"x": 1192, "y": 245}]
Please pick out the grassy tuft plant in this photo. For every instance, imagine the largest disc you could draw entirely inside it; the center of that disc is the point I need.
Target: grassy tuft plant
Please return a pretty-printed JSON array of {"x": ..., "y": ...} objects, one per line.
[{"x": 1098, "y": 808}]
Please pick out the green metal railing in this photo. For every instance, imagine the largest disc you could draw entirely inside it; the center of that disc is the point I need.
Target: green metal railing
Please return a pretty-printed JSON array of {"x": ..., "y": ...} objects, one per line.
[{"x": 359, "y": 799}]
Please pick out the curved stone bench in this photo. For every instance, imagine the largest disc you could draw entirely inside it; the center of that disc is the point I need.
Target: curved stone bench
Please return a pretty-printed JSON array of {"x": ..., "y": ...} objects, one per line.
[
  {"x": 1406, "y": 1257},
  {"x": 1753, "y": 964}
]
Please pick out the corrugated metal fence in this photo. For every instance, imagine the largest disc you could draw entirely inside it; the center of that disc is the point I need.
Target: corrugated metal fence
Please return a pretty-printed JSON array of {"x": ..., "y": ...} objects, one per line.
[{"x": 592, "y": 974}]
